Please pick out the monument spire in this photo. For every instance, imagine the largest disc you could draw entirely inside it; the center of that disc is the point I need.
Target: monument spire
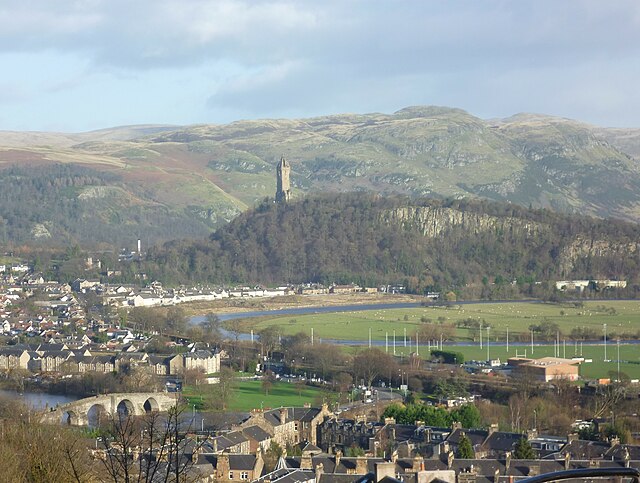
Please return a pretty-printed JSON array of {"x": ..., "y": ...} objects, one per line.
[{"x": 283, "y": 186}]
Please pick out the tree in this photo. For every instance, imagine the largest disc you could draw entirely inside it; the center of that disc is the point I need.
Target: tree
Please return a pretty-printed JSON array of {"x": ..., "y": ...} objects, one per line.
[
  {"x": 150, "y": 448},
  {"x": 465, "y": 450},
  {"x": 225, "y": 386},
  {"x": 269, "y": 340},
  {"x": 371, "y": 363},
  {"x": 267, "y": 382},
  {"x": 523, "y": 450}
]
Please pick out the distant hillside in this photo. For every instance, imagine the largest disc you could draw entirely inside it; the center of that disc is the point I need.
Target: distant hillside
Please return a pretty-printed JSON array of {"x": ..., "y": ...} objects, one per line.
[
  {"x": 207, "y": 174},
  {"x": 66, "y": 205},
  {"x": 425, "y": 243}
]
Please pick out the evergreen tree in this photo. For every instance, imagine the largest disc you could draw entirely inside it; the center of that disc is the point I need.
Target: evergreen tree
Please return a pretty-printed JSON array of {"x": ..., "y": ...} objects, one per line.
[
  {"x": 465, "y": 450},
  {"x": 524, "y": 451}
]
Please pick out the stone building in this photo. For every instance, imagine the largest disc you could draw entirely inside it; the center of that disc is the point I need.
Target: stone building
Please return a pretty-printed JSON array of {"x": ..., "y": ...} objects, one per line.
[{"x": 283, "y": 185}]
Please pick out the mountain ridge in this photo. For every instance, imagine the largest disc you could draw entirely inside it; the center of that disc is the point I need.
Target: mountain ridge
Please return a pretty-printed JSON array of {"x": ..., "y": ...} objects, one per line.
[{"x": 209, "y": 173}]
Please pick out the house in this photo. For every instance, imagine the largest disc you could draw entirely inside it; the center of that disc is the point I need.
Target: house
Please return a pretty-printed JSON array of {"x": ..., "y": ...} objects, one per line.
[
  {"x": 258, "y": 438},
  {"x": 228, "y": 467},
  {"x": 205, "y": 360},
  {"x": 14, "y": 358}
]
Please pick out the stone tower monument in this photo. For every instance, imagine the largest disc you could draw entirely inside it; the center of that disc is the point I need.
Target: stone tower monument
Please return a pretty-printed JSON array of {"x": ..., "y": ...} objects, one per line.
[{"x": 283, "y": 189}]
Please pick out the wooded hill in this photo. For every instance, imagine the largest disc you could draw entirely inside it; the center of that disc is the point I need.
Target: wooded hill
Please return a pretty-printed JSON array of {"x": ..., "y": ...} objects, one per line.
[{"x": 427, "y": 244}]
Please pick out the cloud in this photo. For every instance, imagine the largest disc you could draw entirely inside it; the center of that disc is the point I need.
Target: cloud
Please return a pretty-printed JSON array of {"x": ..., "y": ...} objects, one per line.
[{"x": 287, "y": 57}]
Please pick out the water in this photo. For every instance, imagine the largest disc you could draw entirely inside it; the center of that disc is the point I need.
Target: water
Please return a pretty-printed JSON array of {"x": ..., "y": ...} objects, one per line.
[{"x": 38, "y": 400}]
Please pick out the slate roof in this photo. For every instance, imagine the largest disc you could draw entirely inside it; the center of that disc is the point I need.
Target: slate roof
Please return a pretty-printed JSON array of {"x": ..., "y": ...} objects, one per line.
[
  {"x": 243, "y": 462},
  {"x": 256, "y": 433},
  {"x": 580, "y": 449},
  {"x": 476, "y": 436},
  {"x": 502, "y": 441}
]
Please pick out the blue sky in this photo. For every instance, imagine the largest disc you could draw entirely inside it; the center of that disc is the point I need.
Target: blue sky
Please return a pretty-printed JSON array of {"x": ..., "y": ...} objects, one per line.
[{"x": 77, "y": 65}]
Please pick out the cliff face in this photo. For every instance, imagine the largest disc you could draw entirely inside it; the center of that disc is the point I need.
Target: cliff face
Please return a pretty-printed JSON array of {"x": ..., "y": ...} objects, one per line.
[
  {"x": 572, "y": 250},
  {"x": 584, "y": 247},
  {"x": 435, "y": 221}
]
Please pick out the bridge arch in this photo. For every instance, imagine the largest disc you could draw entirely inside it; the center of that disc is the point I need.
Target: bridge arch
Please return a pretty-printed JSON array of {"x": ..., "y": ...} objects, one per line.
[
  {"x": 151, "y": 405},
  {"x": 71, "y": 418},
  {"x": 126, "y": 408},
  {"x": 97, "y": 415}
]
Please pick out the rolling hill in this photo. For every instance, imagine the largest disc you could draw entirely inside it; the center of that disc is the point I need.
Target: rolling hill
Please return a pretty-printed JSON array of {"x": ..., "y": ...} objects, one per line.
[{"x": 188, "y": 180}]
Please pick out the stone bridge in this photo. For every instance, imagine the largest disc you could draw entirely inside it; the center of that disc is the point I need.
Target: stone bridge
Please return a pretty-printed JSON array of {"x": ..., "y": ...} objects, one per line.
[{"x": 78, "y": 413}]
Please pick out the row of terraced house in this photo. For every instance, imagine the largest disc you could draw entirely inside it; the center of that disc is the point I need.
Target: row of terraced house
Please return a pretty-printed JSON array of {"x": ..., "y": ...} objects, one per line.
[{"x": 58, "y": 358}]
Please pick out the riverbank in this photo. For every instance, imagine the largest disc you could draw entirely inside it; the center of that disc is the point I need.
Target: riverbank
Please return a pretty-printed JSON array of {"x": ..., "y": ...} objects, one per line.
[{"x": 239, "y": 305}]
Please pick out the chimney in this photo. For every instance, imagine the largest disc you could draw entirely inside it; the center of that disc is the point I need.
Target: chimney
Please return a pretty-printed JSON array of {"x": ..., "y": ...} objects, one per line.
[
  {"x": 456, "y": 425},
  {"x": 532, "y": 433},
  {"x": 385, "y": 470},
  {"x": 394, "y": 456},
  {"x": 306, "y": 463},
  {"x": 222, "y": 468},
  {"x": 507, "y": 461},
  {"x": 614, "y": 441},
  {"x": 534, "y": 470},
  {"x": 283, "y": 415},
  {"x": 338, "y": 457},
  {"x": 493, "y": 428},
  {"x": 215, "y": 445},
  {"x": 389, "y": 420},
  {"x": 419, "y": 423},
  {"x": 450, "y": 460},
  {"x": 427, "y": 435},
  {"x": 572, "y": 437},
  {"x": 567, "y": 460},
  {"x": 626, "y": 457},
  {"x": 319, "y": 471},
  {"x": 361, "y": 465},
  {"x": 418, "y": 464}
]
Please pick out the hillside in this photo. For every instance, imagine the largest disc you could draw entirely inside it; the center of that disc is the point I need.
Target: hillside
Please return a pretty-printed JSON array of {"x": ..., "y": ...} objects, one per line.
[
  {"x": 204, "y": 175},
  {"x": 426, "y": 243}
]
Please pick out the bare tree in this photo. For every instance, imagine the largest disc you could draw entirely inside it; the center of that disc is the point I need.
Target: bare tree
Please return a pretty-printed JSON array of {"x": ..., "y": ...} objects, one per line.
[
  {"x": 371, "y": 363},
  {"x": 148, "y": 449}
]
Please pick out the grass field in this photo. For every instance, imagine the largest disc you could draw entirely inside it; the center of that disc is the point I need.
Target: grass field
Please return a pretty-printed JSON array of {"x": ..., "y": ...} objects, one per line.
[
  {"x": 620, "y": 316},
  {"x": 249, "y": 395}
]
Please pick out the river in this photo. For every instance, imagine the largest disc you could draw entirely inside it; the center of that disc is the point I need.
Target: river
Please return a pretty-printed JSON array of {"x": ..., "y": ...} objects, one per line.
[{"x": 38, "y": 400}]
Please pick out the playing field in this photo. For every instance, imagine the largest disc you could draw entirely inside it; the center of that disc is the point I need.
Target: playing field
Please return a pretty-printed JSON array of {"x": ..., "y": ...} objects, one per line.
[
  {"x": 250, "y": 395},
  {"x": 620, "y": 317}
]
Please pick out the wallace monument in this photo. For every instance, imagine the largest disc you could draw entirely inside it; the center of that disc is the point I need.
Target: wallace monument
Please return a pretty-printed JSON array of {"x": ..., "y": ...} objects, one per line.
[{"x": 283, "y": 187}]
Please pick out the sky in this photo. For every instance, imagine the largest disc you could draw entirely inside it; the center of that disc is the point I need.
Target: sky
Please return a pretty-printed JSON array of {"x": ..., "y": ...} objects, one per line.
[{"x": 79, "y": 65}]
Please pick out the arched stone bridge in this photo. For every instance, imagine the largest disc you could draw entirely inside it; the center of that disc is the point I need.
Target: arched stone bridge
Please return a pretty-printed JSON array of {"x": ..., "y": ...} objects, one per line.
[{"x": 78, "y": 413}]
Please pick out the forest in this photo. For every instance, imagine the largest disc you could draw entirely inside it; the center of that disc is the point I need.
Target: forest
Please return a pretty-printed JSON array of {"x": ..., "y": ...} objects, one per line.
[
  {"x": 62, "y": 205},
  {"x": 365, "y": 238}
]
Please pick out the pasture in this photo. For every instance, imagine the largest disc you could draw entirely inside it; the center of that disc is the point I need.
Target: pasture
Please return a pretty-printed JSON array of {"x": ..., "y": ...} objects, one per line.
[{"x": 516, "y": 317}]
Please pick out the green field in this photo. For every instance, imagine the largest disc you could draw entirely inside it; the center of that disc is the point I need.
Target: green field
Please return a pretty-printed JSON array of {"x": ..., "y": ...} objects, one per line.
[
  {"x": 620, "y": 316},
  {"x": 249, "y": 395}
]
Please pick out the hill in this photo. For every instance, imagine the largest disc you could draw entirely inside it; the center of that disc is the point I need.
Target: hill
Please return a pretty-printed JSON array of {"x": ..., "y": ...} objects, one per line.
[
  {"x": 204, "y": 175},
  {"x": 425, "y": 243}
]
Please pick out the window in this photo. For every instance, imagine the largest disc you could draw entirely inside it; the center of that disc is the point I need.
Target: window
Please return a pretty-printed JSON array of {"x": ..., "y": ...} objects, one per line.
[
  {"x": 231, "y": 475},
  {"x": 244, "y": 475}
]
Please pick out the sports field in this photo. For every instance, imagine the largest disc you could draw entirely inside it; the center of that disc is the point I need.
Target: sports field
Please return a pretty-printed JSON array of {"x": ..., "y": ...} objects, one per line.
[{"x": 250, "y": 395}]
